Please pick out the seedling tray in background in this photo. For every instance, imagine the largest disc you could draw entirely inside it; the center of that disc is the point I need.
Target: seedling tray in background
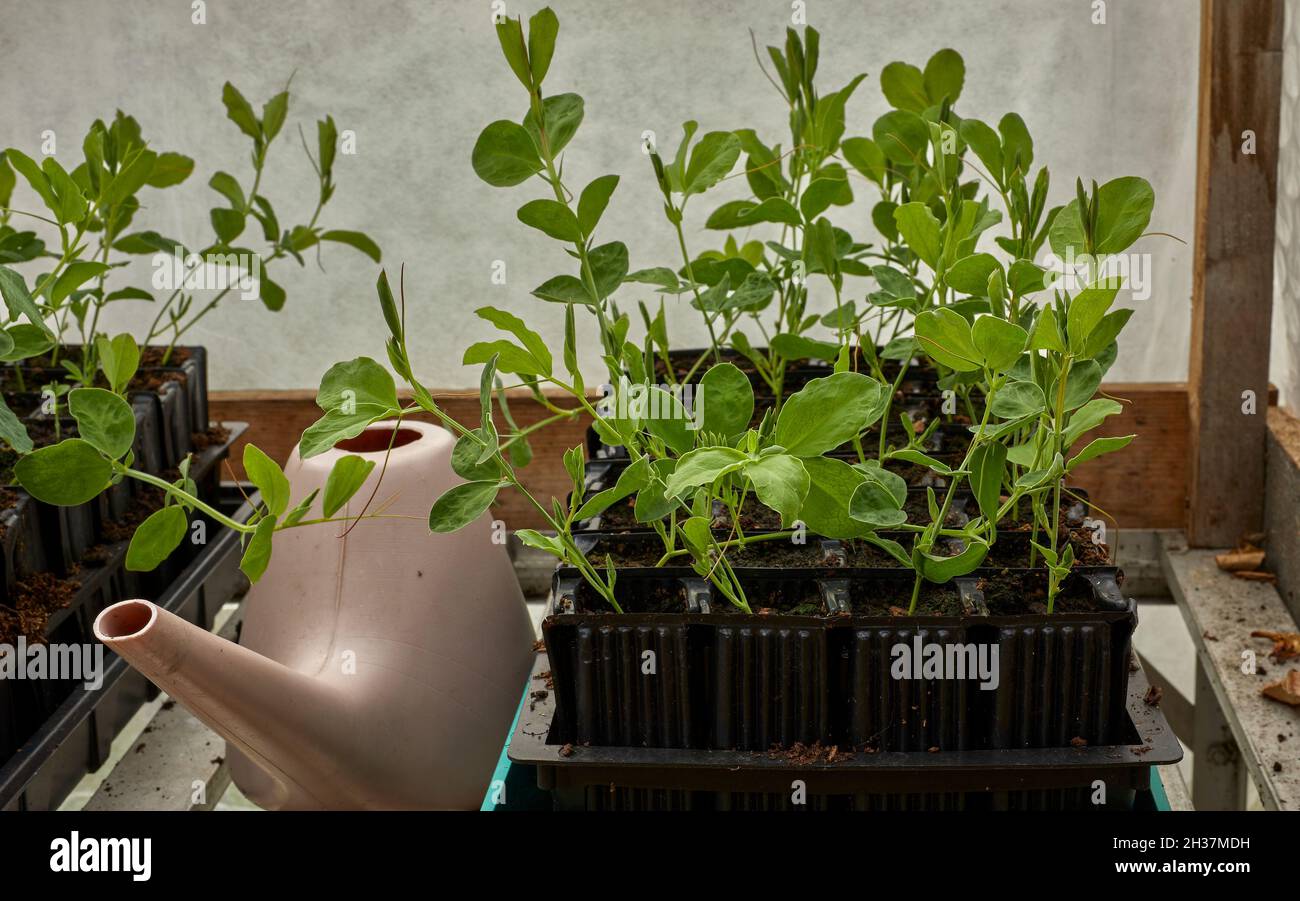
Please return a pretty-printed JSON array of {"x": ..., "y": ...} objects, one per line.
[{"x": 75, "y": 737}]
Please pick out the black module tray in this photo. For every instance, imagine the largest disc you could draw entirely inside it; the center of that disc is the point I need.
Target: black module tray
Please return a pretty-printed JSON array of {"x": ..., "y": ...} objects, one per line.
[
  {"x": 812, "y": 664},
  {"x": 76, "y": 736},
  {"x": 584, "y": 777},
  {"x": 102, "y": 580}
]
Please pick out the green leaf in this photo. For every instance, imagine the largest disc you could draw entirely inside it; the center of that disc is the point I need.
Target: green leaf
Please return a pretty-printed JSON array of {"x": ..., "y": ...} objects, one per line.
[
  {"x": 551, "y": 217},
  {"x": 904, "y": 87},
  {"x": 988, "y": 464},
  {"x": 18, "y": 301},
  {"x": 510, "y": 358},
  {"x": 781, "y": 482},
  {"x": 893, "y": 282},
  {"x": 274, "y": 112},
  {"x": 1047, "y": 332},
  {"x": 257, "y": 556},
  {"x": 228, "y": 187},
  {"x": 269, "y": 479},
  {"x": 946, "y": 336},
  {"x": 1000, "y": 342},
  {"x": 66, "y": 474},
  {"x": 542, "y": 29},
  {"x": 608, "y": 267},
  {"x": 228, "y": 224},
  {"x": 669, "y": 426},
  {"x": 563, "y": 289},
  {"x": 940, "y": 569},
  {"x": 73, "y": 277},
  {"x": 703, "y": 466},
  {"x": 902, "y": 136},
  {"x": 104, "y": 420},
  {"x": 510, "y": 33},
  {"x": 1105, "y": 333},
  {"x": 508, "y": 322},
  {"x": 547, "y": 543},
  {"x": 831, "y": 485},
  {"x": 921, "y": 231},
  {"x": 1016, "y": 400},
  {"x": 118, "y": 358},
  {"x": 594, "y": 199},
  {"x": 864, "y": 155},
  {"x": 1088, "y": 417},
  {"x": 465, "y": 457},
  {"x": 711, "y": 159},
  {"x": 1123, "y": 212},
  {"x": 828, "y": 412},
  {"x": 875, "y": 506},
  {"x": 635, "y": 477},
  {"x": 353, "y": 394},
  {"x": 1017, "y": 146},
  {"x": 28, "y": 341},
  {"x": 945, "y": 74},
  {"x": 12, "y": 430},
  {"x": 27, "y": 167},
  {"x": 970, "y": 275},
  {"x": 1096, "y": 448},
  {"x": 297, "y": 513},
  {"x": 72, "y": 204},
  {"x": 727, "y": 400},
  {"x": 461, "y": 505},
  {"x": 1084, "y": 380},
  {"x": 170, "y": 169},
  {"x": 504, "y": 154},
  {"x": 895, "y": 484},
  {"x": 797, "y": 347},
  {"x": 240, "y": 112},
  {"x": 821, "y": 194},
  {"x": 345, "y": 479},
  {"x": 148, "y": 242},
  {"x": 156, "y": 538},
  {"x": 358, "y": 240},
  {"x": 1085, "y": 313},
  {"x": 562, "y": 114}
]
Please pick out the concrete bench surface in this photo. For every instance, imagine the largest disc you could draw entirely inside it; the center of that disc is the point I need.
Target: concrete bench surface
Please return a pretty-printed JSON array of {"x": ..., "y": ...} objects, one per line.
[{"x": 1238, "y": 731}]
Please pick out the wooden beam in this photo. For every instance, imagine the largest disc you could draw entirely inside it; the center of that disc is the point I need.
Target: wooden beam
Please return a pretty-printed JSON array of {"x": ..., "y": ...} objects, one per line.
[
  {"x": 1143, "y": 486},
  {"x": 1232, "y": 288},
  {"x": 277, "y": 419}
]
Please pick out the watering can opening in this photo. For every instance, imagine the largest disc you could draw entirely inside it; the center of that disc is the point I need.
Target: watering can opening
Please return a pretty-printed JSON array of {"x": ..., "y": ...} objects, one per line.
[
  {"x": 377, "y": 439},
  {"x": 125, "y": 619}
]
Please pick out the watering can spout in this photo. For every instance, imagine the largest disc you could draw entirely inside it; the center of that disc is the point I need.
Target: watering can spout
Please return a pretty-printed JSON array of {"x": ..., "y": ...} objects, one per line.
[{"x": 288, "y": 723}]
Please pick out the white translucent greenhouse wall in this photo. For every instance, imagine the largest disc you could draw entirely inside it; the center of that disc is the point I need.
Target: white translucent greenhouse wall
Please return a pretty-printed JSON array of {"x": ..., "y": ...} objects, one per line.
[{"x": 417, "y": 80}]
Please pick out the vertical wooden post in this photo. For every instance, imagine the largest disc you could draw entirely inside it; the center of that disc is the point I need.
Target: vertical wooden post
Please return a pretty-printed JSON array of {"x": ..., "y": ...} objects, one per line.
[{"x": 1232, "y": 288}]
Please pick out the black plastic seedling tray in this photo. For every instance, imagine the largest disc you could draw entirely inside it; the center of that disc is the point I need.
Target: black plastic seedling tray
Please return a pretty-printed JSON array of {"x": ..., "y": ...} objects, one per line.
[
  {"x": 76, "y": 736},
  {"x": 821, "y": 672},
  {"x": 27, "y": 706},
  {"x": 799, "y": 371},
  {"x": 582, "y": 777}
]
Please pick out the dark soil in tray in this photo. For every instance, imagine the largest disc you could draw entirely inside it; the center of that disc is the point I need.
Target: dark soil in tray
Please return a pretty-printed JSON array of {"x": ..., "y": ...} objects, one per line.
[
  {"x": 1013, "y": 593},
  {"x": 634, "y": 553},
  {"x": 215, "y": 435},
  {"x": 42, "y": 370},
  {"x": 37, "y": 597},
  {"x": 1010, "y": 593}
]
